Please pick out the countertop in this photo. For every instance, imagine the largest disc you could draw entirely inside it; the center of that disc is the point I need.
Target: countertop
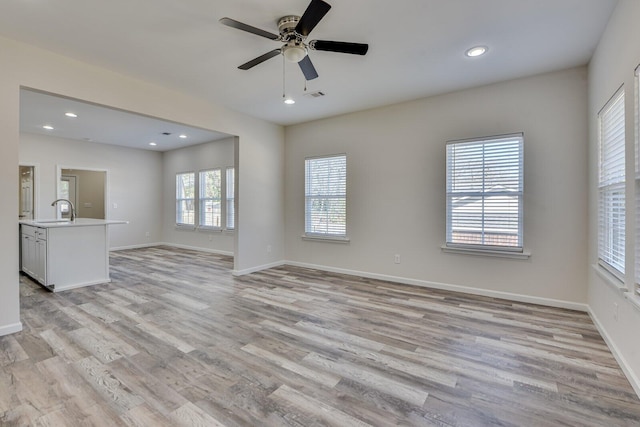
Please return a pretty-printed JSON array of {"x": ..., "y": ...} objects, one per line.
[{"x": 78, "y": 222}]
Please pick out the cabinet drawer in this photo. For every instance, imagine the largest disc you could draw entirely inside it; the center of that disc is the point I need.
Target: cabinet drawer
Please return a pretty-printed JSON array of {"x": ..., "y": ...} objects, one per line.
[
  {"x": 41, "y": 233},
  {"x": 29, "y": 230}
]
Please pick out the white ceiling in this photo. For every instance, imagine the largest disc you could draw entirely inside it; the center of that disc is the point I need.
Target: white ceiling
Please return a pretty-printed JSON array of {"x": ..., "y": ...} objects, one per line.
[
  {"x": 100, "y": 124},
  {"x": 416, "y": 47}
]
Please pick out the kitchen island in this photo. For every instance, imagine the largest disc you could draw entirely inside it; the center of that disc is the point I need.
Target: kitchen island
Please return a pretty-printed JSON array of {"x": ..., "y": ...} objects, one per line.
[{"x": 63, "y": 254}]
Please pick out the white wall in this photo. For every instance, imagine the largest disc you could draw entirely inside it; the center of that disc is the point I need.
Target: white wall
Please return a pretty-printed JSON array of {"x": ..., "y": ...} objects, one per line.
[
  {"x": 134, "y": 182},
  {"x": 612, "y": 65},
  {"x": 259, "y": 156},
  {"x": 396, "y": 188},
  {"x": 9, "y": 261},
  {"x": 217, "y": 154}
]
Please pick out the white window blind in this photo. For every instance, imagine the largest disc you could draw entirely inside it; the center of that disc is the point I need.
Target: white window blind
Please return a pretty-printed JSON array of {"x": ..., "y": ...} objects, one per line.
[
  {"x": 484, "y": 193},
  {"x": 230, "y": 199},
  {"x": 185, "y": 198},
  {"x": 611, "y": 187},
  {"x": 326, "y": 196},
  {"x": 210, "y": 199}
]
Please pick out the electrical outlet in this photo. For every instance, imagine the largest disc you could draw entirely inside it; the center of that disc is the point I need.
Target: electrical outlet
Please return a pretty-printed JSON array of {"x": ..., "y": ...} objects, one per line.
[
  {"x": 269, "y": 248},
  {"x": 211, "y": 237},
  {"x": 396, "y": 258},
  {"x": 115, "y": 206},
  {"x": 615, "y": 311},
  {"x": 147, "y": 234}
]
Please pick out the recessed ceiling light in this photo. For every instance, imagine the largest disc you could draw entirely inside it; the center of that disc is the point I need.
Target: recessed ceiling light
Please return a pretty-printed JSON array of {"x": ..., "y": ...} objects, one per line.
[
  {"x": 153, "y": 144},
  {"x": 289, "y": 101},
  {"x": 47, "y": 127},
  {"x": 72, "y": 115},
  {"x": 183, "y": 136},
  {"x": 476, "y": 51}
]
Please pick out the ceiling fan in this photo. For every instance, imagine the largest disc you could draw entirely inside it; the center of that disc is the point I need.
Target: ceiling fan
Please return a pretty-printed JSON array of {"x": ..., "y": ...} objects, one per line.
[{"x": 293, "y": 31}]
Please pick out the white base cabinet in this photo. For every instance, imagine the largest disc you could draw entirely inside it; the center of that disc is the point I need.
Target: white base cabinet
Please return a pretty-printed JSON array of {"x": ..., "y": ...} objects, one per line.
[
  {"x": 65, "y": 257},
  {"x": 34, "y": 252}
]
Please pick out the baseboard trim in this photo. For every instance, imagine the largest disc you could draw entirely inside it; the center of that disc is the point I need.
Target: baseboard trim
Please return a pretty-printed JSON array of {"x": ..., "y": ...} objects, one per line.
[
  {"x": 628, "y": 372},
  {"x": 124, "y": 248},
  {"x": 196, "y": 248},
  {"x": 258, "y": 268},
  {"x": 448, "y": 287},
  {"x": 10, "y": 329},
  {"x": 175, "y": 245}
]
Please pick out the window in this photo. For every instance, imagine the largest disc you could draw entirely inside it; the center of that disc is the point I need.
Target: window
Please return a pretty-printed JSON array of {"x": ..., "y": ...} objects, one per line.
[
  {"x": 611, "y": 186},
  {"x": 210, "y": 201},
  {"x": 326, "y": 196},
  {"x": 185, "y": 198},
  {"x": 484, "y": 193},
  {"x": 230, "y": 199}
]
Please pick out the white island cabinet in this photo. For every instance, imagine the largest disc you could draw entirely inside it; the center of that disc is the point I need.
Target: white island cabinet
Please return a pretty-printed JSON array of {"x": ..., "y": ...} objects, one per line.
[{"x": 66, "y": 254}]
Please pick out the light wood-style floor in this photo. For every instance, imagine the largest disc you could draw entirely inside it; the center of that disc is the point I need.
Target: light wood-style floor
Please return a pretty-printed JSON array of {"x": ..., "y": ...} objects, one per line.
[{"x": 176, "y": 340}]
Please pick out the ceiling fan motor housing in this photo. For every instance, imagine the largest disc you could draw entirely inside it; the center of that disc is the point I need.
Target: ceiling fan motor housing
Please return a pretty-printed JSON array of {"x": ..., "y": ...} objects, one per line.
[{"x": 287, "y": 26}]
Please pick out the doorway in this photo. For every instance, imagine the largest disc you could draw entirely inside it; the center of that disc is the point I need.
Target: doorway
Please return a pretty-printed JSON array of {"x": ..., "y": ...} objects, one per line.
[
  {"x": 67, "y": 189},
  {"x": 26, "y": 205},
  {"x": 87, "y": 191}
]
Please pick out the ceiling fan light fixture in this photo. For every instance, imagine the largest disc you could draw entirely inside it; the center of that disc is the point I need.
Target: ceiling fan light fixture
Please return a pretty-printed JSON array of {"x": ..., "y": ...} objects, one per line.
[
  {"x": 294, "y": 52},
  {"x": 289, "y": 101}
]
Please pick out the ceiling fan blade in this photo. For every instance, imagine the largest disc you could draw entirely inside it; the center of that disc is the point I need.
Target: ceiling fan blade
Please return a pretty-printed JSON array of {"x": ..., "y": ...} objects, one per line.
[
  {"x": 248, "y": 28},
  {"x": 342, "y": 47},
  {"x": 308, "y": 69},
  {"x": 314, "y": 13},
  {"x": 260, "y": 59}
]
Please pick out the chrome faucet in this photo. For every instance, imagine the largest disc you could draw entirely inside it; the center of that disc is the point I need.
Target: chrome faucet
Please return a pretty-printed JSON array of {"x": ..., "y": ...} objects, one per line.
[{"x": 73, "y": 209}]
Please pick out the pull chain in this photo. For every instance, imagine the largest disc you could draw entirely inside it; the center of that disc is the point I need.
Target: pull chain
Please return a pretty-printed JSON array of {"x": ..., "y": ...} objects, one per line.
[{"x": 283, "y": 80}]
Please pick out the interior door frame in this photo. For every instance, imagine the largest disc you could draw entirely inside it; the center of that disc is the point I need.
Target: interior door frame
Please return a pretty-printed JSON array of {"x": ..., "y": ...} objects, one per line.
[
  {"x": 35, "y": 191},
  {"x": 73, "y": 194},
  {"x": 59, "y": 169}
]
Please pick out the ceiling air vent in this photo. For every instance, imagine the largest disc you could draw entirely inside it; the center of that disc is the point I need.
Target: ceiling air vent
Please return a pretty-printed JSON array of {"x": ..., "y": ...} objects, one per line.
[
  {"x": 166, "y": 133},
  {"x": 316, "y": 94}
]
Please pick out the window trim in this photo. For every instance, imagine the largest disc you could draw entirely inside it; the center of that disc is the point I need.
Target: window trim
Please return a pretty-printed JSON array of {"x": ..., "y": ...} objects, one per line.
[
  {"x": 230, "y": 201},
  {"x": 524, "y": 254},
  {"x": 636, "y": 282},
  {"x": 178, "y": 200},
  {"x": 328, "y": 237},
  {"x": 517, "y": 252}
]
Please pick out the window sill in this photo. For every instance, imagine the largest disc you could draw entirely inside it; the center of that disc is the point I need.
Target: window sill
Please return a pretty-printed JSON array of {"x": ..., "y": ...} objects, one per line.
[
  {"x": 486, "y": 252},
  {"x": 330, "y": 239},
  {"x": 633, "y": 298},
  {"x": 210, "y": 229},
  {"x": 609, "y": 279},
  {"x": 185, "y": 227}
]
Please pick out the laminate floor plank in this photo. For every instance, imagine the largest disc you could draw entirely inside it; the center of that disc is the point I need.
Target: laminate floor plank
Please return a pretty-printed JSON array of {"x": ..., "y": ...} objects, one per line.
[
  {"x": 175, "y": 339},
  {"x": 11, "y": 351}
]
